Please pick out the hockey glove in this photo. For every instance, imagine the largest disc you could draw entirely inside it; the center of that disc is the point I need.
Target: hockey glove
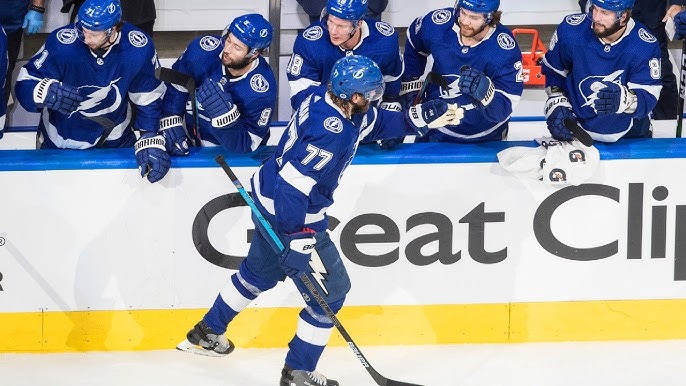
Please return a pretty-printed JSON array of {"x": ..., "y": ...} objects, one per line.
[
  {"x": 390, "y": 106},
  {"x": 152, "y": 157},
  {"x": 174, "y": 135},
  {"x": 57, "y": 96},
  {"x": 615, "y": 99},
  {"x": 217, "y": 104},
  {"x": 680, "y": 25},
  {"x": 477, "y": 85},
  {"x": 296, "y": 257},
  {"x": 557, "y": 109},
  {"x": 433, "y": 114},
  {"x": 33, "y": 22}
]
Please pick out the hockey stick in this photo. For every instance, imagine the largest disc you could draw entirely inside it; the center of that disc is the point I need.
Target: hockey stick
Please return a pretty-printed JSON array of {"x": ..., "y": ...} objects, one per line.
[
  {"x": 378, "y": 378},
  {"x": 107, "y": 127},
  {"x": 580, "y": 134},
  {"x": 431, "y": 77},
  {"x": 682, "y": 85},
  {"x": 186, "y": 81}
]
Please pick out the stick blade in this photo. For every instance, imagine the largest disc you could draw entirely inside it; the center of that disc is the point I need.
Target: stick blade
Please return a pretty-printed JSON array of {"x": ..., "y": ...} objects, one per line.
[{"x": 580, "y": 134}]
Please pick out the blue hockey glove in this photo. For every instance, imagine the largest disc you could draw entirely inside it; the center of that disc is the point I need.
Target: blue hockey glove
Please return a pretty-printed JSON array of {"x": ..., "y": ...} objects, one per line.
[
  {"x": 477, "y": 85},
  {"x": 557, "y": 109},
  {"x": 680, "y": 25},
  {"x": 296, "y": 257},
  {"x": 433, "y": 114},
  {"x": 33, "y": 22},
  {"x": 614, "y": 99},
  {"x": 57, "y": 96},
  {"x": 152, "y": 157},
  {"x": 388, "y": 144},
  {"x": 217, "y": 104},
  {"x": 174, "y": 135}
]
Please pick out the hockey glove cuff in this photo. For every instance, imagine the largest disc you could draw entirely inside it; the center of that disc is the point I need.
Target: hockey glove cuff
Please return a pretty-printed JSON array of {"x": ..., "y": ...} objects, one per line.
[
  {"x": 391, "y": 106},
  {"x": 57, "y": 96},
  {"x": 557, "y": 108},
  {"x": 174, "y": 135},
  {"x": 477, "y": 85},
  {"x": 295, "y": 259},
  {"x": 409, "y": 91},
  {"x": 217, "y": 104},
  {"x": 152, "y": 157}
]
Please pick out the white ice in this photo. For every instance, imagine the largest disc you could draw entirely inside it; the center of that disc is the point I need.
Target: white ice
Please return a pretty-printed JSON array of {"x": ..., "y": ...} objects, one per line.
[{"x": 540, "y": 364}]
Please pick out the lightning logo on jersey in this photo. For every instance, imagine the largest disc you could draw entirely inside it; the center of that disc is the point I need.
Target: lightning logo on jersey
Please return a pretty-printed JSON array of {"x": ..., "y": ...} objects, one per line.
[
  {"x": 318, "y": 271},
  {"x": 100, "y": 98},
  {"x": 590, "y": 86}
]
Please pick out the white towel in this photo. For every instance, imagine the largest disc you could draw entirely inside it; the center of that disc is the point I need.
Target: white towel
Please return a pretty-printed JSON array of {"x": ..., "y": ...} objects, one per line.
[{"x": 557, "y": 163}]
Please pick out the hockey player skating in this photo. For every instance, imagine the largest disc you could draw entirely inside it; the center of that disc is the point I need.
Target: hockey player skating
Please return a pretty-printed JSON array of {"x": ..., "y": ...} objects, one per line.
[
  {"x": 603, "y": 72},
  {"x": 293, "y": 190},
  {"x": 236, "y": 87},
  {"x": 93, "y": 69},
  {"x": 344, "y": 30},
  {"x": 479, "y": 61}
]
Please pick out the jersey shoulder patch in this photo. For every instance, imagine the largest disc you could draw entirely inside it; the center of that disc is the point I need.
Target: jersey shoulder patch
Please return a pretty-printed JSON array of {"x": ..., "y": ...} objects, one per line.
[
  {"x": 506, "y": 41},
  {"x": 66, "y": 35},
  {"x": 333, "y": 124},
  {"x": 209, "y": 43},
  {"x": 441, "y": 16},
  {"x": 646, "y": 36},
  {"x": 384, "y": 28},
  {"x": 259, "y": 83},
  {"x": 138, "y": 39},
  {"x": 575, "y": 19},
  {"x": 313, "y": 33}
]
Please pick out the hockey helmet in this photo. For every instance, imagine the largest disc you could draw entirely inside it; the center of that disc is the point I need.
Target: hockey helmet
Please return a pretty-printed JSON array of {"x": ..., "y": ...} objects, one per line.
[
  {"x": 253, "y": 30},
  {"x": 347, "y": 9},
  {"x": 99, "y": 15},
  {"x": 614, "y": 5},
  {"x": 487, "y": 7},
  {"x": 357, "y": 74}
]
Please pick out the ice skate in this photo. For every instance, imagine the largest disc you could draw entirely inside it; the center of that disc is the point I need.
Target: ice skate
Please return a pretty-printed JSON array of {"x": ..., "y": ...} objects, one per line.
[
  {"x": 290, "y": 377},
  {"x": 202, "y": 340}
]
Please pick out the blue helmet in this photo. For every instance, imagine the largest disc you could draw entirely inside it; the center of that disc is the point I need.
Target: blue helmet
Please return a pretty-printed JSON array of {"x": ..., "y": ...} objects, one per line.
[
  {"x": 347, "y": 9},
  {"x": 614, "y": 5},
  {"x": 253, "y": 30},
  {"x": 481, "y": 6},
  {"x": 356, "y": 74},
  {"x": 99, "y": 15}
]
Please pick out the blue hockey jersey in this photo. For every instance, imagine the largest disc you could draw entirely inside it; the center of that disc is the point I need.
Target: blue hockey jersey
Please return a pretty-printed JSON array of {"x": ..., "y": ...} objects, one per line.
[
  {"x": 3, "y": 72},
  {"x": 294, "y": 188},
  {"x": 254, "y": 94},
  {"x": 124, "y": 73},
  {"x": 314, "y": 56},
  {"x": 578, "y": 62},
  {"x": 497, "y": 55}
]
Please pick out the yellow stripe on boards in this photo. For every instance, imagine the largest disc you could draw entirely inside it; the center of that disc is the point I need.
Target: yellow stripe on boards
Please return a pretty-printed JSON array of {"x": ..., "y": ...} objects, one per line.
[{"x": 368, "y": 325}]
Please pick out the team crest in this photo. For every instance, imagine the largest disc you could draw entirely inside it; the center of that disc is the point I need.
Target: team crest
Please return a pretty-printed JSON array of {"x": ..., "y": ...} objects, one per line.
[
  {"x": 575, "y": 19},
  {"x": 313, "y": 33},
  {"x": 259, "y": 83},
  {"x": 209, "y": 43},
  {"x": 557, "y": 175},
  {"x": 384, "y": 28},
  {"x": 577, "y": 156},
  {"x": 440, "y": 16},
  {"x": 138, "y": 39},
  {"x": 506, "y": 41},
  {"x": 646, "y": 36},
  {"x": 333, "y": 124},
  {"x": 66, "y": 36}
]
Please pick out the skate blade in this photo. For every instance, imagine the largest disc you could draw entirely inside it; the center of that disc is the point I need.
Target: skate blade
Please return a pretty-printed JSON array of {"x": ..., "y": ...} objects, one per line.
[{"x": 197, "y": 350}]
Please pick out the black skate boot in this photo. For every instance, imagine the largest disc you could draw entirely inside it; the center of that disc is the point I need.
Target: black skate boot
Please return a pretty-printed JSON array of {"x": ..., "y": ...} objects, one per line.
[
  {"x": 202, "y": 340},
  {"x": 290, "y": 377}
]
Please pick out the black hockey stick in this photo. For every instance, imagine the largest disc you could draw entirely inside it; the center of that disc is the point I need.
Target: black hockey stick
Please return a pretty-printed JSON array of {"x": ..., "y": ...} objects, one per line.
[
  {"x": 107, "y": 127},
  {"x": 378, "y": 378},
  {"x": 431, "y": 77},
  {"x": 580, "y": 134},
  {"x": 682, "y": 86},
  {"x": 186, "y": 81}
]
